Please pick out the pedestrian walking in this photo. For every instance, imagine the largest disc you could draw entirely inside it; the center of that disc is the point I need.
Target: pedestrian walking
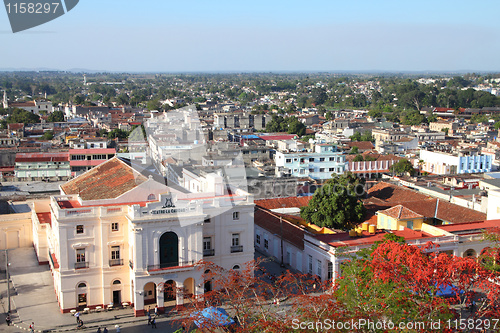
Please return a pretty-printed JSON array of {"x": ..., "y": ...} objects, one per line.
[
  {"x": 7, "y": 320},
  {"x": 156, "y": 311},
  {"x": 32, "y": 327},
  {"x": 77, "y": 316},
  {"x": 149, "y": 318},
  {"x": 99, "y": 330},
  {"x": 80, "y": 324},
  {"x": 105, "y": 330},
  {"x": 153, "y": 323},
  {"x": 118, "y": 329}
]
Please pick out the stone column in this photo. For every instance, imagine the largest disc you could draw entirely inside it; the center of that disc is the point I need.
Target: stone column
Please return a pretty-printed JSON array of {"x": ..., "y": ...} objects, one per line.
[
  {"x": 138, "y": 300},
  {"x": 160, "y": 300},
  {"x": 180, "y": 296}
]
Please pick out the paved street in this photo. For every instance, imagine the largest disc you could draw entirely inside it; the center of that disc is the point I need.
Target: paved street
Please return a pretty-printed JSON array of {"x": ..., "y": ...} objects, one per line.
[{"x": 34, "y": 299}]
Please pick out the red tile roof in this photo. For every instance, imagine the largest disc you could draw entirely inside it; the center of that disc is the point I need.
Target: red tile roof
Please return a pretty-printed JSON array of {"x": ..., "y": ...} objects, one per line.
[
  {"x": 15, "y": 126},
  {"x": 472, "y": 227},
  {"x": 278, "y": 137},
  {"x": 107, "y": 181},
  {"x": 292, "y": 233},
  {"x": 401, "y": 213},
  {"x": 384, "y": 194},
  {"x": 362, "y": 145},
  {"x": 42, "y": 157},
  {"x": 288, "y": 202}
]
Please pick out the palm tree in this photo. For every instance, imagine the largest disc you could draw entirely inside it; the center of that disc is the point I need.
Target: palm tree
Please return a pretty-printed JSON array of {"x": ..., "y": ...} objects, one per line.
[{"x": 420, "y": 163}]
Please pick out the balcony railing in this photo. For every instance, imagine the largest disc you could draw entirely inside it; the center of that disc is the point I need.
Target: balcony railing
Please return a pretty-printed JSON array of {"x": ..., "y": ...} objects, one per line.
[
  {"x": 115, "y": 262},
  {"x": 83, "y": 264},
  {"x": 170, "y": 265},
  {"x": 208, "y": 252},
  {"x": 236, "y": 248}
]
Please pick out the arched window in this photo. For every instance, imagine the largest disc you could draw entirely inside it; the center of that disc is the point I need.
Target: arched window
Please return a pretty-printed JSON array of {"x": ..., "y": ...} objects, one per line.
[
  {"x": 169, "y": 250},
  {"x": 151, "y": 197},
  {"x": 82, "y": 285},
  {"x": 117, "y": 282},
  {"x": 236, "y": 267},
  {"x": 470, "y": 253}
]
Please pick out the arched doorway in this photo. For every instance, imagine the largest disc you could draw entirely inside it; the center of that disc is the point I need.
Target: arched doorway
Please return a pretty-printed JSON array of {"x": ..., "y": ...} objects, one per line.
[
  {"x": 149, "y": 293},
  {"x": 82, "y": 295},
  {"x": 169, "y": 291},
  {"x": 189, "y": 287},
  {"x": 208, "y": 282},
  {"x": 169, "y": 250},
  {"x": 116, "y": 289}
]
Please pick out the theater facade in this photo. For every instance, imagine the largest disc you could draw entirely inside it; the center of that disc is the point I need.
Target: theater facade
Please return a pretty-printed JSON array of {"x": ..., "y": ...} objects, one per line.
[{"x": 117, "y": 237}]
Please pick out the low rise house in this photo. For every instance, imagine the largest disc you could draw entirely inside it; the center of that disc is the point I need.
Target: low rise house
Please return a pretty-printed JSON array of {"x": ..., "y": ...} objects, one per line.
[
  {"x": 279, "y": 231},
  {"x": 42, "y": 166}
]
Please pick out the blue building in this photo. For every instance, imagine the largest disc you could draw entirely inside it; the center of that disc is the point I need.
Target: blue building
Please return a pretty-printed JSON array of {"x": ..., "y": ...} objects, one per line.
[{"x": 465, "y": 161}]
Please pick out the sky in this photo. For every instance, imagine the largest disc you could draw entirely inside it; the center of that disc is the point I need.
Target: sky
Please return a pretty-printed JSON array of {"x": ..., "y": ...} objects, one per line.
[{"x": 261, "y": 36}]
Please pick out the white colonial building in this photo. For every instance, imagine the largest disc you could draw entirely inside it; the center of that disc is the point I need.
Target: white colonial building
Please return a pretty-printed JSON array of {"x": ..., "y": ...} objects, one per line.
[
  {"x": 116, "y": 236},
  {"x": 320, "y": 164}
]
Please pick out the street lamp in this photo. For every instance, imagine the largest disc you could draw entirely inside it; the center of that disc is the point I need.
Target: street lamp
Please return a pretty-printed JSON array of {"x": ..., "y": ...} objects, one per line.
[
  {"x": 7, "y": 277},
  {"x": 281, "y": 233}
]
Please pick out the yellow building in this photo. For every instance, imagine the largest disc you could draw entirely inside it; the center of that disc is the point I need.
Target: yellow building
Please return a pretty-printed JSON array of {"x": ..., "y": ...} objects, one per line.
[{"x": 398, "y": 217}]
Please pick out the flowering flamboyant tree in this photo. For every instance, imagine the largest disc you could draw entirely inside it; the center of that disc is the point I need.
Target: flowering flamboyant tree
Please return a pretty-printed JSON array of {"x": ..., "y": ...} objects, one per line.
[{"x": 392, "y": 282}]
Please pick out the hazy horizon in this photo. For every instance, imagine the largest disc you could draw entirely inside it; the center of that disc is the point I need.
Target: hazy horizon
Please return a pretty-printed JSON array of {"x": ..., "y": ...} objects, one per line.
[{"x": 280, "y": 36}]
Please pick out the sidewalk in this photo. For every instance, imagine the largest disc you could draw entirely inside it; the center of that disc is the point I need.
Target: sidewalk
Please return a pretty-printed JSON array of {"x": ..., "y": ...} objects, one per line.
[{"x": 33, "y": 298}]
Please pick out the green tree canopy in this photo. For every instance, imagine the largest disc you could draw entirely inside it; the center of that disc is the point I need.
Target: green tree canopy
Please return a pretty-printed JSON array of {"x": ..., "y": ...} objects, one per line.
[
  {"x": 358, "y": 158},
  {"x": 22, "y": 116},
  {"x": 290, "y": 125},
  {"x": 375, "y": 113},
  {"x": 56, "y": 117},
  {"x": 356, "y": 136},
  {"x": 118, "y": 133},
  {"x": 403, "y": 166},
  {"x": 49, "y": 135},
  {"x": 337, "y": 204}
]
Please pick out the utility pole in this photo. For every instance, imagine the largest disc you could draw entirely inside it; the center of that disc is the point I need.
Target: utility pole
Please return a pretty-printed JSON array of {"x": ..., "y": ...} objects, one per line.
[{"x": 8, "y": 277}]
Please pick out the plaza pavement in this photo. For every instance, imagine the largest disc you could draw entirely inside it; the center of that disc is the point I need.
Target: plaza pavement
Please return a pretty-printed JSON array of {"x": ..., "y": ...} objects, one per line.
[{"x": 33, "y": 299}]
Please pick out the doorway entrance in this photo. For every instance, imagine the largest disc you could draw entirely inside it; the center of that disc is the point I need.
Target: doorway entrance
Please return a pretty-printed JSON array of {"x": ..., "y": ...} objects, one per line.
[
  {"x": 82, "y": 300},
  {"x": 117, "y": 297}
]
